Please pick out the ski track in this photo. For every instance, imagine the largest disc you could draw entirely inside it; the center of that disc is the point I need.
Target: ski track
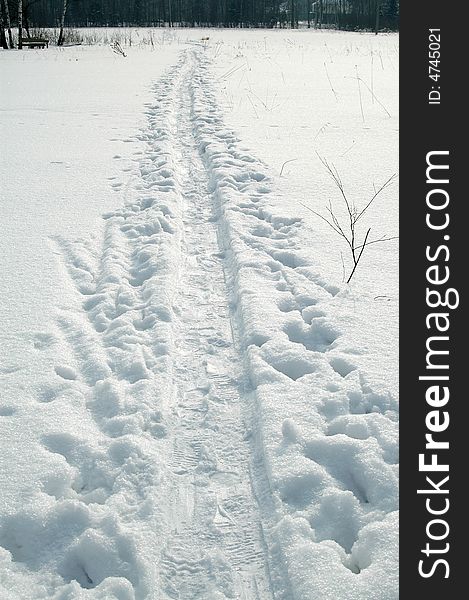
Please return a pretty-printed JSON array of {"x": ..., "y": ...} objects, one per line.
[{"x": 171, "y": 355}]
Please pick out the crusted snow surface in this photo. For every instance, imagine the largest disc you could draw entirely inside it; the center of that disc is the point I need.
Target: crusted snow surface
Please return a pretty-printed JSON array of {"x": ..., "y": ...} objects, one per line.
[{"x": 196, "y": 430}]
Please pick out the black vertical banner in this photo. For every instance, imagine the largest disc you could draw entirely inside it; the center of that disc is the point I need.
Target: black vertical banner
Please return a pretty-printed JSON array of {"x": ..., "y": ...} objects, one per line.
[{"x": 434, "y": 266}]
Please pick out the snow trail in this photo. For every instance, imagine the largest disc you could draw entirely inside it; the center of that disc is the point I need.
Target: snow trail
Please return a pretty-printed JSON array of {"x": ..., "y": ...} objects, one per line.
[
  {"x": 216, "y": 547},
  {"x": 218, "y": 435},
  {"x": 156, "y": 490},
  {"x": 324, "y": 442}
]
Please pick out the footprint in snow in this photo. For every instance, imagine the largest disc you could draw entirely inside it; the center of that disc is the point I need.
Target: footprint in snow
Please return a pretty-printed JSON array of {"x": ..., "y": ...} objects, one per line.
[
  {"x": 43, "y": 341},
  {"x": 9, "y": 369},
  {"x": 341, "y": 366},
  {"x": 7, "y": 411},
  {"x": 64, "y": 392},
  {"x": 66, "y": 372}
]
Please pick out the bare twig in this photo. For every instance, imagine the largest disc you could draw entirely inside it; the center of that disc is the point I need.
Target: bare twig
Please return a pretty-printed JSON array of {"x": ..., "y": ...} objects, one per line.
[
  {"x": 286, "y": 163},
  {"x": 231, "y": 72},
  {"x": 322, "y": 129},
  {"x": 361, "y": 80},
  {"x": 330, "y": 83},
  {"x": 384, "y": 186},
  {"x": 357, "y": 260},
  {"x": 375, "y": 97},
  {"x": 384, "y": 238},
  {"x": 348, "y": 149},
  {"x": 349, "y": 232},
  {"x": 360, "y": 94},
  {"x": 252, "y": 104}
]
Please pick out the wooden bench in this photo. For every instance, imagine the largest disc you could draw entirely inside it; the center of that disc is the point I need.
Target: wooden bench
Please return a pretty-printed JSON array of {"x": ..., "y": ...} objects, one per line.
[{"x": 35, "y": 42}]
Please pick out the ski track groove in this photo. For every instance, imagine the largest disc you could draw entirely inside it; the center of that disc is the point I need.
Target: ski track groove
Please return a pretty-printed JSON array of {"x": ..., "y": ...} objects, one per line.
[
  {"x": 154, "y": 320},
  {"x": 210, "y": 453}
]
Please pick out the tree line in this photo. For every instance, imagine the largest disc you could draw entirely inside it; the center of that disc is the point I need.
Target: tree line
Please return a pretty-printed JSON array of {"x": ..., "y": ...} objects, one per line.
[{"x": 341, "y": 14}]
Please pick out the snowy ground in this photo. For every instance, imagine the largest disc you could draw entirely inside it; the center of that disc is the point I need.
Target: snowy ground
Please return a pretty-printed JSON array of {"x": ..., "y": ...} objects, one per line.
[{"x": 193, "y": 405}]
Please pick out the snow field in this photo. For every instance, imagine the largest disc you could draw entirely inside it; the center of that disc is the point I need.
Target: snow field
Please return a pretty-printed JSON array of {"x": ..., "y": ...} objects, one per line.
[
  {"x": 294, "y": 96},
  {"x": 72, "y": 468},
  {"x": 206, "y": 421}
]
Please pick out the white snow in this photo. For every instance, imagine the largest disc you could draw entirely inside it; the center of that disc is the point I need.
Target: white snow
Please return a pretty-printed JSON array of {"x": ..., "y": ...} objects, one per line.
[{"x": 193, "y": 403}]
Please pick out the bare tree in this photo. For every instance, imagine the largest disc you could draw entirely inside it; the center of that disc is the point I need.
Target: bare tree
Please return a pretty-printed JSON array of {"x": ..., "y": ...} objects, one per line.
[
  {"x": 378, "y": 11},
  {"x": 349, "y": 232},
  {"x": 20, "y": 24},
  {"x": 349, "y": 14},
  {"x": 60, "y": 41},
  {"x": 3, "y": 39},
  {"x": 27, "y": 4},
  {"x": 8, "y": 23}
]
